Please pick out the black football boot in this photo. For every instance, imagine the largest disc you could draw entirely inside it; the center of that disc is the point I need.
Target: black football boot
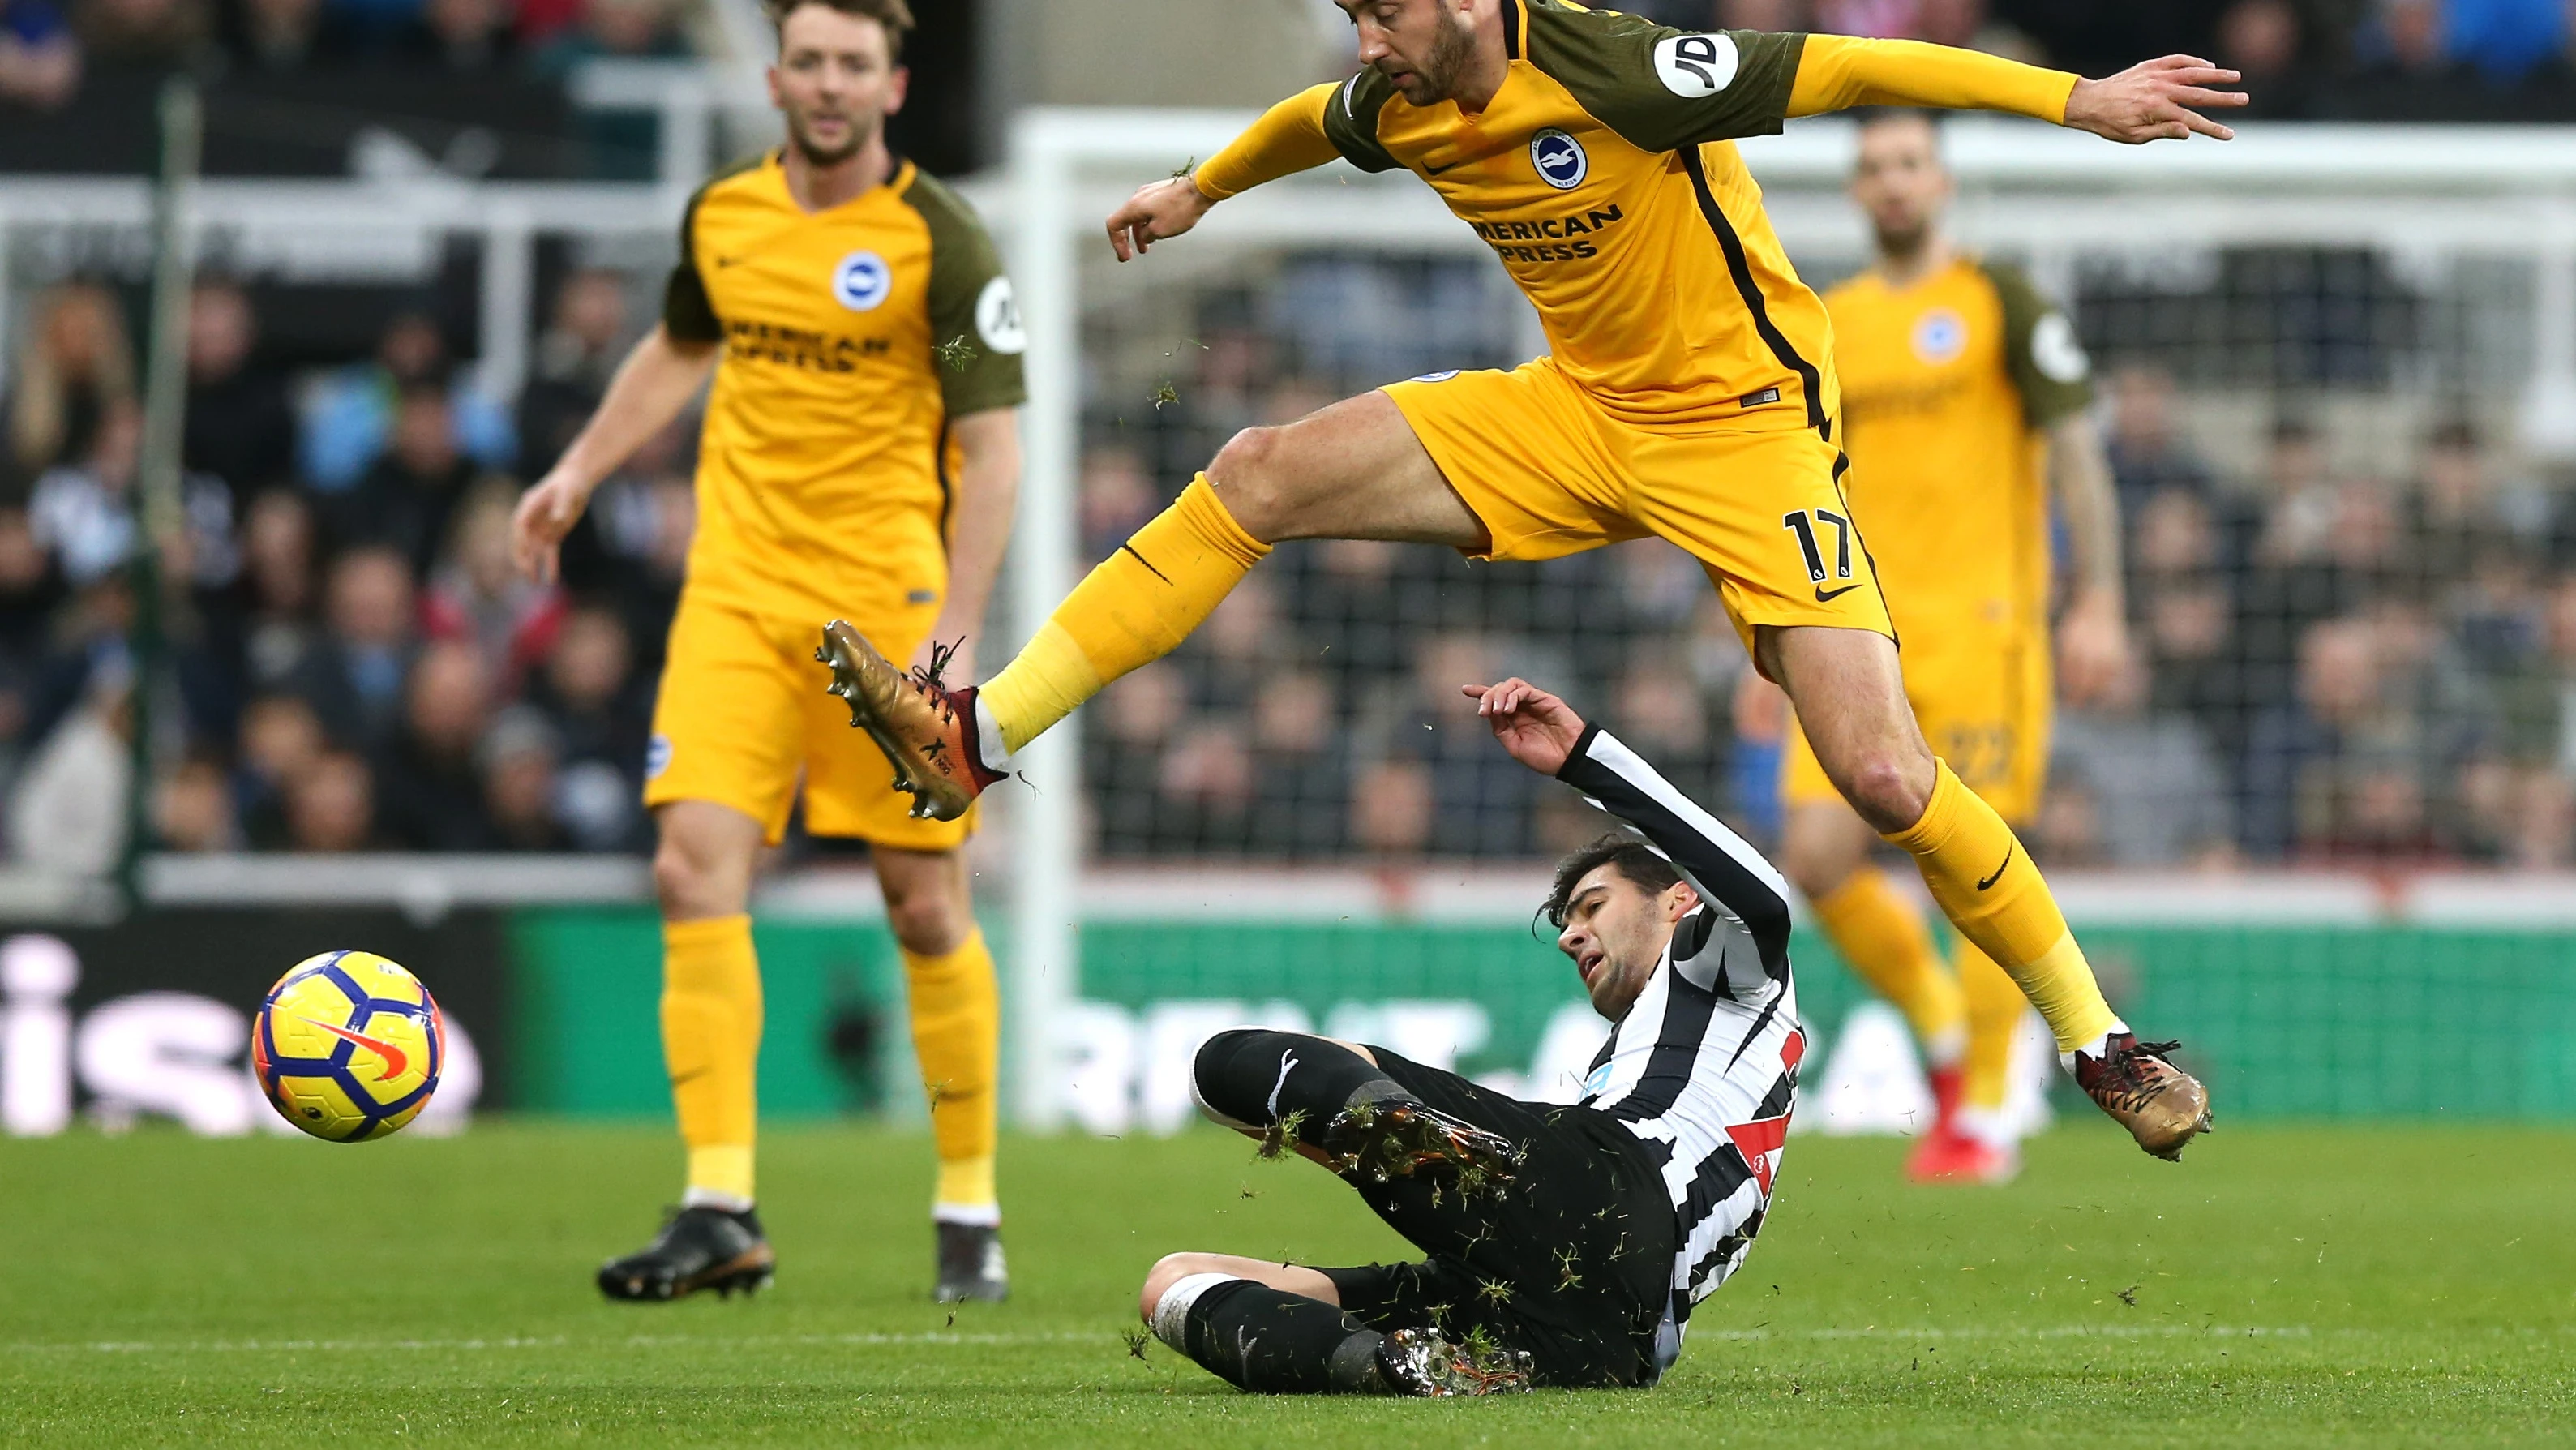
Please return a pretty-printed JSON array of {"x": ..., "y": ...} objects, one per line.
[{"x": 698, "y": 1248}]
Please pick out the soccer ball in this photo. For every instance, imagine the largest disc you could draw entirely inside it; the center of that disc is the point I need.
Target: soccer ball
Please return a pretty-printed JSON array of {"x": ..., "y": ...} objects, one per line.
[{"x": 348, "y": 1046}]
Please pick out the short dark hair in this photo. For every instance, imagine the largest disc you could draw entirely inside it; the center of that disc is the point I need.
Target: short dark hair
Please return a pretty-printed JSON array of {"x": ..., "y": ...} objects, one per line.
[
  {"x": 894, "y": 15},
  {"x": 1640, "y": 863}
]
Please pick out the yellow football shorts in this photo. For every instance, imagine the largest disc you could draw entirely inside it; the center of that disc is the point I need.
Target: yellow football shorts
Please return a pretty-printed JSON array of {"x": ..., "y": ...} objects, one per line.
[
  {"x": 742, "y": 714},
  {"x": 1985, "y": 699},
  {"x": 1550, "y": 472}
]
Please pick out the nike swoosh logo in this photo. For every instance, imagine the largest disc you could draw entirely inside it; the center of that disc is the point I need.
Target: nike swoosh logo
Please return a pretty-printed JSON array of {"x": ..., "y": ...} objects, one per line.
[
  {"x": 1430, "y": 170},
  {"x": 1828, "y": 596},
  {"x": 396, "y": 1060},
  {"x": 1999, "y": 870},
  {"x": 724, "y": 262}
]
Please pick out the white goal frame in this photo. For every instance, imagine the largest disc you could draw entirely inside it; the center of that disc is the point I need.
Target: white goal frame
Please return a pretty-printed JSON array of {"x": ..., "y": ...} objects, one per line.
[{"x": 2040, "y": 193}]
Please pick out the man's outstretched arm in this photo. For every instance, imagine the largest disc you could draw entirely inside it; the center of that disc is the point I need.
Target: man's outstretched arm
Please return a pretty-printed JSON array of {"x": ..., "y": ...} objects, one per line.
[
  {"x": 2159, "y": 99},
  {"x": 1545, "y": 734},
  {"x": 1289, "y": 138}
]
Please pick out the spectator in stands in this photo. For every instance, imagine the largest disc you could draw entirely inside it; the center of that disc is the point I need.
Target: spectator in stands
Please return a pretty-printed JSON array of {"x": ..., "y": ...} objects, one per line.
[
  {"x": 574, "y": 358},
  {"x": 354, "y": 679},
  {"x": 2457, "y": 516},
  {"x": 1391, "y": 808},
  {"x": 408, "y": 500},
  {"x": 40, "y": 62},
  {"x": 29, "y": 591},
  {"x": 352, "y": 418},
  {"x": 2148, "y": 778},
  {"x": 1481, "y": 803},
  {"x": 192, "y": 810},
  {"x": 2344, "y": 770},
  {"x": 281, "y": 740},
  {"x": 276, "y": 35},
  {"x": 458, "y": 37},
  {"x": 622, "y": 145},
  {"x": 86, "y": 514},
  {"x": 74, "y": 367},
  {"x": 601, "y": 713},
  {"x": 2148, "y": 453},
  {"x": 240, "y": 424},
  {"x": 67, "y": 809},
  {"x": 280, "y": 564},
  {"x": 1139, "y": 715},
  {"x": 429, "y": 792},
  {"x": 332, "y": 806},
  {"x": 1118, "y": 497},
  {"x": 2264, "y": 40},
  {"x": 1301, "y": 777},
  {"x": 2505, "y": 41},
  {"x": 143, "y": 33},
  {"x": 520, "y": 794},
  {"x": 479, "y": 598}
]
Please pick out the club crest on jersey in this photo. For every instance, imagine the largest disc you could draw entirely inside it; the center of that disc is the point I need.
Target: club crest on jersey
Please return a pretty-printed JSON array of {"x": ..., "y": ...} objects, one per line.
[
  {"x": 657, "y": 756},
  {"x": 1940, "y": 335},
  {"x": 1442, "y": 376},
  {"x": 861, "y": 281},
  {"x": 1559, "y": 159}
]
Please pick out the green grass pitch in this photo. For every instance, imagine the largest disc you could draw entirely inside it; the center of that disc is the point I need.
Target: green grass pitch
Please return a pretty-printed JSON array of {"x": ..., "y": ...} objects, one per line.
[{"x": 2291, "y": 1286}]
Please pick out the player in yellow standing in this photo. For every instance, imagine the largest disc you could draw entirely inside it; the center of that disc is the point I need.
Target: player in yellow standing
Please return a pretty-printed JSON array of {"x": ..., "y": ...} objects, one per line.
[
  {"x": 1689, "y": 392},
  {"x": 860, "y": 455},
  {"x": 1964, "y": 392}
]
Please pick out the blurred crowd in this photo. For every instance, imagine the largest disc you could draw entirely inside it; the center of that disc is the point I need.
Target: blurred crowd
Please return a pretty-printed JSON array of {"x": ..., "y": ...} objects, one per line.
[
  {"x": 45, "y": 44},
  {"x": 354, "y": 663},
  {"x": 2333, "y": 665},
  {"x": 2331, "y": 668}
]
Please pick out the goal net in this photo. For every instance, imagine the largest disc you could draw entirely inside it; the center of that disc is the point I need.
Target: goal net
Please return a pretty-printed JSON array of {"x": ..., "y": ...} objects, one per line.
[{"x": 2337, "y": 370}]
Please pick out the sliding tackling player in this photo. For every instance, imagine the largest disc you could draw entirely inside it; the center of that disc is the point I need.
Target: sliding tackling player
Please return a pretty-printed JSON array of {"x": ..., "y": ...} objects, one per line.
[
  {"x": 1567, "y": 1244},
  {"x": 1964, "y": 392},
  {"x": 860, "y": 456},
  {"x": 1689, "y": 391}
]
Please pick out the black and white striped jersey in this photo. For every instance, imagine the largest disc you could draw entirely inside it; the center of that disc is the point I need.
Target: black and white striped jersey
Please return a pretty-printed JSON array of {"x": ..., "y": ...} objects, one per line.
[{"x": 1704, "y": 1066}]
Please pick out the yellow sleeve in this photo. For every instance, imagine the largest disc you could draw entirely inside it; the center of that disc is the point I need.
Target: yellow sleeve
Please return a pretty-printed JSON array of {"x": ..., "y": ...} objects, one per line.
[
  {"x": 1288, "y": 138},
  {"x": 1838, "y": 71}
]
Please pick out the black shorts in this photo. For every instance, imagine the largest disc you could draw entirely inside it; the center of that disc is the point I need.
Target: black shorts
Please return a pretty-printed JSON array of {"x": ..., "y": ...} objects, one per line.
[{"x": 1573, "y": 1262}]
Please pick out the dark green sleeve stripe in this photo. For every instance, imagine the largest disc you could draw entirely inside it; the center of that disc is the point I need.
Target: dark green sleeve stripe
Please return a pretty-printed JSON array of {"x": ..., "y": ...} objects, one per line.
[
  {"x": 2041, "y": 354},
  {"x": 1350, "y": 119},
  {"x": 975, "y": 335},
  {"x": 1662, "y": 89},
  {"x": 687, "y": 312}
]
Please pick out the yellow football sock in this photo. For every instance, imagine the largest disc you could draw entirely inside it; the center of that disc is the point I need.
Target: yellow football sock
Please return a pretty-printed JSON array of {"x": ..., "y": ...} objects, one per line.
[
  {"x": 1995, "y": 1006},
  {"x": 1884, "y": 938},
  {"x": 1984, "y": 881},
  {"x": 1134, "y": 608},
  {"x": 711, "y": 1043},
  {"x": 957, "y": 1035}
]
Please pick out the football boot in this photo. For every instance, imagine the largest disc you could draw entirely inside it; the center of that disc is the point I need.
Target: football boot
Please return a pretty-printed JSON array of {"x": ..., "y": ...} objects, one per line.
[
  {"x": 1398, "y": 1137},
  {"x": 698, "y": 1248},
  {"x": 1424, "y": 1362},
  {"x": 925, "y": 730},
  {"x": 2162, "y": 1106},
  {"x": 970, "y": 1264}
]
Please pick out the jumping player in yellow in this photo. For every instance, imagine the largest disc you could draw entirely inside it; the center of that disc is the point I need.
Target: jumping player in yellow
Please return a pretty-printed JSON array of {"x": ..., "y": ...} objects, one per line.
[
  {"x": 1689, "y": 392},
  {"x": 1963, "y": 394},
  {"x": 860, "y": 456}
]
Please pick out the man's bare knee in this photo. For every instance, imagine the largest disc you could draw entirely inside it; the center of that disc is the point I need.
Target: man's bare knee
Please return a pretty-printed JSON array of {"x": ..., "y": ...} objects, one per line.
[
  {"x": 1250, "y": 481},
  {"x": 1889, "y": 787}
]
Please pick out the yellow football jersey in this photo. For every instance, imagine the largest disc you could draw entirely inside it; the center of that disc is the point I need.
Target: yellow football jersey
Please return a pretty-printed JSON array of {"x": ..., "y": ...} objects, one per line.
[
  {"x": 851, "y": 337},
  {"x": 1946, "y": 386},
  {"x": 1604, "y": 176}
]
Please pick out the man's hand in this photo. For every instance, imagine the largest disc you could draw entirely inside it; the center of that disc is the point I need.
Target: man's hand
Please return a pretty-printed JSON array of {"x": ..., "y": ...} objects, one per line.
[
  {"x": 546, "y": 513},
  {"x": 1538, "y": 729},
  {"x": 2153, "y": 101},
  {"x": 1157, "y": 211},
  {"x": 2092, "y": 649}
]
